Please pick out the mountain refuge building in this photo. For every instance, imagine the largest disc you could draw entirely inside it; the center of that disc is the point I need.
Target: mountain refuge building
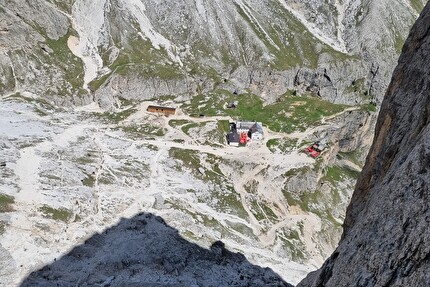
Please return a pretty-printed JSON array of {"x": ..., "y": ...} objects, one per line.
[
  {"x": 253, "y": 129},
  {"x": 242, "y": 132}
]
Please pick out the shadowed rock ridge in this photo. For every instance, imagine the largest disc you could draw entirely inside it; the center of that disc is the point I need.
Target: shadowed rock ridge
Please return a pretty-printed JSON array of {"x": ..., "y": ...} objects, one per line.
[
  {"x": 144, "y": 251},
  {"x": 386, "y": 239}
]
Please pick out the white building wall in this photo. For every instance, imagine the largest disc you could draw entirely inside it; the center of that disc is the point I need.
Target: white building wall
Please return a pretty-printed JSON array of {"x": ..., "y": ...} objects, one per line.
[
  {"x": 257, "y": 136},
  {"x": 239, "y": 131}
]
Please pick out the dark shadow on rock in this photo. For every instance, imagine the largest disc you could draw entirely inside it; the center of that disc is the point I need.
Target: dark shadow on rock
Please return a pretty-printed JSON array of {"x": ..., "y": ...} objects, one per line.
[{"x": 144, "y": 251}]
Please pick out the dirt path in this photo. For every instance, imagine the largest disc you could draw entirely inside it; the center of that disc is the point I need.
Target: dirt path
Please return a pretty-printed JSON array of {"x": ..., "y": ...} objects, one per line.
[
  {"x": 155, "y": 186},
  {"x": 257, "y": 151}
]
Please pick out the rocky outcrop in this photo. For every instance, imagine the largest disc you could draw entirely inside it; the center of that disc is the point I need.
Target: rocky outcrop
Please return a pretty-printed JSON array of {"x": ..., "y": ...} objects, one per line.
[
  {"x": 146, "y": 49},
  {"x": 144, "y": 251},
  {"x": 386, "y": 238}
]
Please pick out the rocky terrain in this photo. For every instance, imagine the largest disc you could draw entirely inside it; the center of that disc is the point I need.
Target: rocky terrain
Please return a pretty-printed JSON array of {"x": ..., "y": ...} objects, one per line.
[
  {"x": 386, "y": 238},
  {"x": 69, "y": 174},
  {"x": 103, "y": 50},
  {"x": 128, "y": 254},
  {"x": 79, "y": 151}
]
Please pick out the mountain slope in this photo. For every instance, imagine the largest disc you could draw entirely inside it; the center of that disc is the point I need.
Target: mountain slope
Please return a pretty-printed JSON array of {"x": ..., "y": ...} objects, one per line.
[
  {"x": 145, "y": 49},
  {"x": 70, "y": 170},
  {"x": 386, "y": 237}
]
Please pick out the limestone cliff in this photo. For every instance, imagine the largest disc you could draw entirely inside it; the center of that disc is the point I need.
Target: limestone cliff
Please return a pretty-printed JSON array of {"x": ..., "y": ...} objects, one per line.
[
  {"x": 84, "y": 51},
  {"x": 386, "y": 240}
]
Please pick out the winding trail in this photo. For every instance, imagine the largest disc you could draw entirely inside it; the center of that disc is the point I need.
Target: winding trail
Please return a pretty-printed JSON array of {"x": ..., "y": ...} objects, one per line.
[
  {"x": 258, "y": 152},
  {"x": 156, "y": 181}
]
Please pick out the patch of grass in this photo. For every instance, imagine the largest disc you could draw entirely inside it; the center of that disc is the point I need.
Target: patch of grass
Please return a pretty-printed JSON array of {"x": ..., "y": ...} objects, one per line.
[
  {"x": 186, "y": 128},
  {"x": 224, "y": 126},
  {"x": 64, "y": 5},
  {"x": 230, "y": 202},
  {"x": 178, "y": 123},
  {"x": 41, "y": 106},
  {"x": 370, "y": 107},
  {"x": 292, "y": 234},
  {"x": 215, "y": 161},
  {"x": 290, "y": 48},
  {"x": 399, "y": 41},
  {"x": 313, "y": 201},
  {"x": 283, "y": 145},
  {"x": 268, "y": 211},
  {"x": 242, "y": 229},
  {"x": 88, "y": 159},
  {"x": 353, "y": 156},
  {"x": 63, "y": 58},
  {"x": 50, "y": 176},
  {"x": 417, "y": 5},
  {"x": 189, "y": 235},
  {"x": 138, "y": 131},
  {"x": 2, "y": 227},
  {"x": 61, "y": 214},
  {"x": 336, "y": 174},
  {"x": 189, "y": 158},
  {"x": 295, "y": 247},
  {"x": 208, "y": 105},
  {"x": 40, "y": 112},
  {"x": 357, "y": 86},
  {"x": 115, "y": 117},
  {"x": 105, "y": 178},
  {"x": 251, "y": 186},
  {"x": 89, "y": 180},
  {"x": 261, "y": 211},
  {"x": 290, "y": 113},
  {"x": 149, "y": 147},
  {"x": 95, "y": 84},
  {"x": 139, "y": 58},
  {"x": 272, "y": 144},
  {"x": 297, "y": 171},
  {"x": 6, "y": 202},
  {"x": 256, "y": 210},
  {"x": 207, "y": 133},
  {"x": 291, "y": 199}
]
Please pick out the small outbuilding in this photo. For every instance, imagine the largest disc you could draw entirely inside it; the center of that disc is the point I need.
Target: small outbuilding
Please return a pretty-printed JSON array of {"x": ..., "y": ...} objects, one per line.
[{"x": 162, "y": 110}]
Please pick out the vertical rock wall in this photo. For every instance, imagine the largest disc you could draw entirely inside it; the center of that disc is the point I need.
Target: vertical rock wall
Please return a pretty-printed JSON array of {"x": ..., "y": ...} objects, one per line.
[{"x": 386, "y": 240}]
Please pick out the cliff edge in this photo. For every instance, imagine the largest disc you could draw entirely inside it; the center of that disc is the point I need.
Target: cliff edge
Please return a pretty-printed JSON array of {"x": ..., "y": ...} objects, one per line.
[{"x": 386, "y": 240}]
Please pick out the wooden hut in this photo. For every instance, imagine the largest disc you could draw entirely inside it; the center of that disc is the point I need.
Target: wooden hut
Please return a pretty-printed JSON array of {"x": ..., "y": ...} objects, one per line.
[{"x": 163, "y": 110}]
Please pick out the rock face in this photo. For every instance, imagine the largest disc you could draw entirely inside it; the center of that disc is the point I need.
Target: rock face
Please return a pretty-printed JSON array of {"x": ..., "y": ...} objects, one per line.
[
  {"x": 102, "y": 50},
  {"x": 70, "y": 173},
  {"x": 144, "y": 251},
  {"x": 386, "y": 237}
]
